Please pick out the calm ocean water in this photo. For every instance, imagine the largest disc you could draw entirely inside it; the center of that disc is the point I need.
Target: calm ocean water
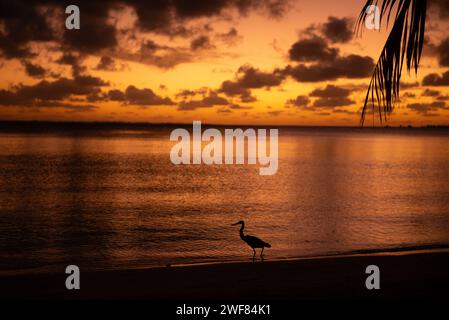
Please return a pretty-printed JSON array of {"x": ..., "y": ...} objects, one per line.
[{"x": 111, "y": 198}]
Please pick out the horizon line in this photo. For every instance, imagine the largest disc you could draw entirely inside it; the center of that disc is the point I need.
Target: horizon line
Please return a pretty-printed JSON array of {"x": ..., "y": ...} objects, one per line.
[{"x": 88, "y": 122}]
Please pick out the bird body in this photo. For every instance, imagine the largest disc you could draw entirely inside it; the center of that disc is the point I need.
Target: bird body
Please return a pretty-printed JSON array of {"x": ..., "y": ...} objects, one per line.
[{"x": 253, "y": 242}]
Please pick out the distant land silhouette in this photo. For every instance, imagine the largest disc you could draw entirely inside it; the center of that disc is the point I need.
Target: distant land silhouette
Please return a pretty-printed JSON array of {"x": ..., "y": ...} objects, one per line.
[{"x": 55, "y": 126}]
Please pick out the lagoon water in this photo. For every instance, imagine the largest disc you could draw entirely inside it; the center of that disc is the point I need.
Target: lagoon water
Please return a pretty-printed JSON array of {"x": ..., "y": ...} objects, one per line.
[{"x": 109, "y": 197}]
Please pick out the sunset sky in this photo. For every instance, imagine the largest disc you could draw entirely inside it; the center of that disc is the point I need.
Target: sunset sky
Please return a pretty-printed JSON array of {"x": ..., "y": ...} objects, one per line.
[{"x": 225, "y": 62}]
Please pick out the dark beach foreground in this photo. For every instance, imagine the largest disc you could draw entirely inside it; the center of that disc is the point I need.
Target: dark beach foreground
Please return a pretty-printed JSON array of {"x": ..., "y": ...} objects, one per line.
[{"x": 415, "y": 274}]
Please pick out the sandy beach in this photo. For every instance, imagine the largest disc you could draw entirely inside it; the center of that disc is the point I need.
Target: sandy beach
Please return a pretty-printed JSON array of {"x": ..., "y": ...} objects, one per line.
[{"x": 414, "y": 274}]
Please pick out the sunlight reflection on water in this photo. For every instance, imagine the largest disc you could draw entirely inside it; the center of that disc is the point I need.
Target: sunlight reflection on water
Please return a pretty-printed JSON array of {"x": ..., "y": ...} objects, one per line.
[{"x": 115, "y": 200}]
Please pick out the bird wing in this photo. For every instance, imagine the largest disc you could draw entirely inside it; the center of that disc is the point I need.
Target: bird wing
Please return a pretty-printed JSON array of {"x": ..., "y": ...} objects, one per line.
[{"x": 254, "y": 242}]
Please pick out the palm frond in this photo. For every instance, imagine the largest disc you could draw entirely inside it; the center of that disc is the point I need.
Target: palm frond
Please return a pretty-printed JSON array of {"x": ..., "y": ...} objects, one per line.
[{"x": 406, "y": 40}]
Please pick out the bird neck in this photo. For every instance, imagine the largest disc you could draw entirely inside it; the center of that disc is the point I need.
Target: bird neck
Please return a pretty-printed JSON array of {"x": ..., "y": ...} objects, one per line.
[{"x": 241, "y": 231}]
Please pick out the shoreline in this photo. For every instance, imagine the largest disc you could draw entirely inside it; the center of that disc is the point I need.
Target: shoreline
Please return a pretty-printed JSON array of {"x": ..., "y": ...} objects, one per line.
[
  {"x": 405, "y": 274},
  {"x": 355, "y": 253}
]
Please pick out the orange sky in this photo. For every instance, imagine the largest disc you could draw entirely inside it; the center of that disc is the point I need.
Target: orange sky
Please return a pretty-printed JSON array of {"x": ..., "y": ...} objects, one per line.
[{"x": 149, "y": 69}]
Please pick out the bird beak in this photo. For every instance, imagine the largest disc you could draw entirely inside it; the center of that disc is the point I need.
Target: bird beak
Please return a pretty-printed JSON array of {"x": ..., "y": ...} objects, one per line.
[{"x": 234, "y": 224}]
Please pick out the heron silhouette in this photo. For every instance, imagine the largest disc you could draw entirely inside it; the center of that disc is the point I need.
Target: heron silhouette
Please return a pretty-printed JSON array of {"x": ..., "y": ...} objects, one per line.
[{"x": 252, "y": 241}]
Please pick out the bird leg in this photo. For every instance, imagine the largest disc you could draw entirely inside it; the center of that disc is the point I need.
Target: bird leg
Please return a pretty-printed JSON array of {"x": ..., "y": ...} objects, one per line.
[
  {"x": 261, "y": 253},
  {"x": 254, "y": 253}
]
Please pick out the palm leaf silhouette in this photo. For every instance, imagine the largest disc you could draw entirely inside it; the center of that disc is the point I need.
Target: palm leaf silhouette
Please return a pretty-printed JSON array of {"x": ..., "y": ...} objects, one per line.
[{"x": 405, "y": 40}]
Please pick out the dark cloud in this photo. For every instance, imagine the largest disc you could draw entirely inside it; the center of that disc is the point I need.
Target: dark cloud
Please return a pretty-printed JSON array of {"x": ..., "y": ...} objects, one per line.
[
  {"x": 135, "y": 96},
  {"x": 106, "y": 63},
  {"x": 312, "y": 49},
  {"x": 322, "y": 62},
  {"x": 56, "y": 94},
  {"x": 344, "y": 111},
  {"x": 191, "y": 93},
  {"x": 211, "y": 100},
  {"x": 22, "y": 22},
  {"x": 332, "y": 102},
  {"x": 352, "y": 66},
  {"x": 275, "y": 8},
  {"x": 328, "y": 97},
  {"x": 52, "y": 94},
  {"x": 443, "y": 53},
  {"x": 69, "y": 59},
  {"x": 300, "y": 101},
  {"x": 247, "y": 97},
  {"x": 315, "y": 46},
  {"x": 201, "y": 42},
  {"x": 33, "y": 70},
  {"x": 436, "y": 80},
  {"x": 338, "y": 29},
  {"x": 164, "y": 56},
  {"x": 330, "y": 91},
  {"x": 95, "y": 97},
  {"x": 409, "y": 85},
  {"x": 61, "y": 88},
  {"x": 214, "y": 100},
  {"x": 154, "y": 16},
  {"x": 430, "y": 93},
  {"x": 239, "y": 107},
  {"x": 427, "y": 108},
  {"x": 25, "y": 21},
  {"x": 116, "y": 95},
  {"x": 192, "y": 105},
  {"x": 79, "y": 108},
  {"x": 331, "y": 96},
  {"x": 63, "y": 105},
  {"x": 442, "y": 7},
  {"x": 233, "y": 88},
  {"x": 225, "y": 111},
  {"x": 194, "y": 9},
  {"x": 248, "y": 77},
  {"x": 231, "y": 37},
  {"x": 145, "y": 97},
  {"x": 95, "y": 34},
  {"x": 90, "y": 81},
  {"x": 11, "y": 50},
  {"x": 169, "y": 17},
  {"x": 150, "y": 46},
  {"x": 75, "y": 61},
  {"x": 185, "y": 93},
  {"x": 275, "y": 113},
  {"x": 408, "y": 95}
]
